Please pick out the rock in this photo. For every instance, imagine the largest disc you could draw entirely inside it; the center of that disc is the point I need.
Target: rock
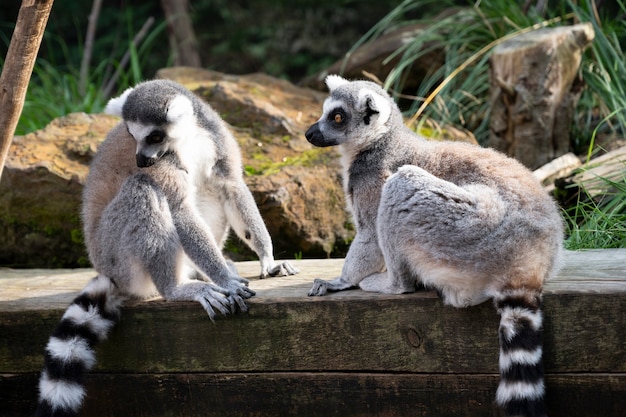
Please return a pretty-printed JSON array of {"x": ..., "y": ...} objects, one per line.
[
  {"x": 297, "y": 186},
  {"x": 40, "y": 192}
]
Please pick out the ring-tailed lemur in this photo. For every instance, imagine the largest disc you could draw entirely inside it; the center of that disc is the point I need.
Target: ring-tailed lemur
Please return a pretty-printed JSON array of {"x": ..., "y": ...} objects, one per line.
[
  {"x": 456, "y": 217},
  {"x": 162, "y": 193}
]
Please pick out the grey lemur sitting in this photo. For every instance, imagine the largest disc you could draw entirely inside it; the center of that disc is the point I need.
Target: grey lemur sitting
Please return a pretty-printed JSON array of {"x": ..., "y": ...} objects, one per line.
[
  {"x": 455, "y": 217},
  {"x": 163, "y": 191}
]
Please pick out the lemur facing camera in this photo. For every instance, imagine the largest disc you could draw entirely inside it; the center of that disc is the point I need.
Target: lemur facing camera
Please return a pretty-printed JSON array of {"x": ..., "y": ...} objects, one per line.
[
  {"x": 467, "y": 221},
  {"x": 162, "y": 193}
]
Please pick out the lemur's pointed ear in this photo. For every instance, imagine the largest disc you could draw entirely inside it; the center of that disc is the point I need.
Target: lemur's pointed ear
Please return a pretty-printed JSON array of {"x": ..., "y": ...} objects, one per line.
[
  {"x": 333, "y": 81},
  {"x": 372, "y": 103},
  {"x": 114, "y": 106},
  {"x": 178, "y": 107}
]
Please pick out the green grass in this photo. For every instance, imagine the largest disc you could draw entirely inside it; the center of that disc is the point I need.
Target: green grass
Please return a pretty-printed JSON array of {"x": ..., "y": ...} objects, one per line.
[
  {"x": 604, "y": 72},
  {"x": 598, "y": 223},
  {"x": 461, "y": 85},
  {"x": 53, "y": 93},
  {"x": 54, "y": 90}
]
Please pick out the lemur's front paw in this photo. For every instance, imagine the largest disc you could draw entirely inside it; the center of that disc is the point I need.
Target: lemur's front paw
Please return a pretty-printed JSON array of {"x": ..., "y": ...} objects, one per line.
[
  {"x": 320, "y": 287},
  {"x": 239, "y": 291},
  {"x": 281, "y": 269},
  {"x": 215, "y": 298}
]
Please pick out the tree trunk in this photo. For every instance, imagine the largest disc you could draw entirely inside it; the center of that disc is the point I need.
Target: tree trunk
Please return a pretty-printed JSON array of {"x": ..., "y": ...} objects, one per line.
[
  {"x": 18, "y": 66},
  {"x": 533, "y": 94},
  {"x": 183, "y": 42}
]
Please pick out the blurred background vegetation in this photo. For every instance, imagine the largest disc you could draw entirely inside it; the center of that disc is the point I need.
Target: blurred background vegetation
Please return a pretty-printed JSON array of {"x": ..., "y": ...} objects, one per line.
[
  {"x": 283, "y": 38},
  {"x": 294, "y": 39}
]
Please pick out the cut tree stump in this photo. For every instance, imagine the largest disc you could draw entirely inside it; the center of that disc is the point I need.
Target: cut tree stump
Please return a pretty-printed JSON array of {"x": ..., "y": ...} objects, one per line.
[
  {"x": 533, "y": 93},
  {"x": 347, "y": 354}
]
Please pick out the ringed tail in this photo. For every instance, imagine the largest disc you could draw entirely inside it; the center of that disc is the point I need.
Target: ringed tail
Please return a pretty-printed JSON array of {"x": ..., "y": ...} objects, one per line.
[
  {"x": 70, "y": 353},
  {"x": 521, "y": 389}
]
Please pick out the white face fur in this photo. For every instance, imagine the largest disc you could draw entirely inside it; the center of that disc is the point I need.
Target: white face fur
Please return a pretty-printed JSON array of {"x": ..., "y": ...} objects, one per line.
[
  {"x": 353, "y": 115},
  {"x": 154, "y": 141}
]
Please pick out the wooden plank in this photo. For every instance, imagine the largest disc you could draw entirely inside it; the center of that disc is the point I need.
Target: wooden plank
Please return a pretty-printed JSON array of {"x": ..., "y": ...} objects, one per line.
[
  {"x": 317, "y": 394},
  {"x": 353, "y": 353},
  {"x": 599, "y": 271},
  {"x": 410, "y": 333},
  {"x": 286, "y": 330}
]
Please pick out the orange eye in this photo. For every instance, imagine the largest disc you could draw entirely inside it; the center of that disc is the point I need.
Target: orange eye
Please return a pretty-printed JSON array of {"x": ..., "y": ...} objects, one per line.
[{"x": 338, "y": 118}]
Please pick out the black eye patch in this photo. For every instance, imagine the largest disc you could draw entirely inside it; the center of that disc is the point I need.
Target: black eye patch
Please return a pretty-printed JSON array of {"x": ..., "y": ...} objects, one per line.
[
  {"x": 337, "y": 116},
  {"x": 155, "y": 137}
]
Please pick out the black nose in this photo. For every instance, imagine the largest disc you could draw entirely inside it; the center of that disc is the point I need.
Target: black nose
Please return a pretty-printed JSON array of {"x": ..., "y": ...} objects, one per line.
[
  {"x": 315, "y": 136},
  {"x": 144, "y": 161},
  {"x": 313, "y": 131}
]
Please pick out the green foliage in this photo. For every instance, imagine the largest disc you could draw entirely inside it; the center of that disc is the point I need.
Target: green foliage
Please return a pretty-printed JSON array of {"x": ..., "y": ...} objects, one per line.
[
  {"x": 598, "y": 224},
  {"x": 54, "y": 87},
  {"x": 53, "y": 93},
  {"x": 467, "y": 38},
  {"x": 604, "y": 72}
]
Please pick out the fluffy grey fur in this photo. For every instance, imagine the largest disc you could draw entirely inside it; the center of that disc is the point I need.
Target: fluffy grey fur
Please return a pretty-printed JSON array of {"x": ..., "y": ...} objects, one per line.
[
  {"x": 156, "y": 222},
  {"x": 459, "y": 218},
  {"x": 164, "y": 189}
]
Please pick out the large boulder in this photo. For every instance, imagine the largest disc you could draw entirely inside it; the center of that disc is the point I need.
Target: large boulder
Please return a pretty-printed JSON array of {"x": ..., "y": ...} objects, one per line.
[
  {"x": 297, "y": 187},
  {"x": 40, "y": 192}
]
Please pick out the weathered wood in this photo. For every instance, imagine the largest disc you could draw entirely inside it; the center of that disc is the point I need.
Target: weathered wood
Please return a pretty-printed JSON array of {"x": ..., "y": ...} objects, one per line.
[
  {"x": 532, "y": 99},
  {"x": 596, "y": 178},
  {"x": 557, "y": 168},
  {"x": 18, "y": 66},
  {"x": 350, "y": 353},
  {"x": 412, "y": 333},
  {"x": 318, "y": 394}
]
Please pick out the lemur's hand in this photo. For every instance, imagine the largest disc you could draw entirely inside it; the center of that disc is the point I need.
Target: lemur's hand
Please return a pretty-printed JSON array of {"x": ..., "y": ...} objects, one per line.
[{"x": 274, "y": 269}]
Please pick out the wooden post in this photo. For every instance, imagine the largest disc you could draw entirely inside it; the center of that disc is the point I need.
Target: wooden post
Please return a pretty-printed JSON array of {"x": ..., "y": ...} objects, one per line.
[
  {"x": 18, "y": 66},
  {"x": 532, "y": 99}
]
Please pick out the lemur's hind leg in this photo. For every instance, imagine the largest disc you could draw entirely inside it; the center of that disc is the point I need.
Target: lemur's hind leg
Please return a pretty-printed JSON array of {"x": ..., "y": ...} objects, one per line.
[{"x": 425, "y": 225}]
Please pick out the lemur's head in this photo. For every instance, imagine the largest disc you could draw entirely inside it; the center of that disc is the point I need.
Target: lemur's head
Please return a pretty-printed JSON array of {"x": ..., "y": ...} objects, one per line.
[
  {"x": 158, "y": 114},
  {"x": 354, "y": 114}
]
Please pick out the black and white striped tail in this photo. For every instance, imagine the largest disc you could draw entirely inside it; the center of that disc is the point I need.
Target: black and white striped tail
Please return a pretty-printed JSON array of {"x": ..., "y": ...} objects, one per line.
[
  {"x": 70, "y": 351},
  {"x": 521, "y": 391}
]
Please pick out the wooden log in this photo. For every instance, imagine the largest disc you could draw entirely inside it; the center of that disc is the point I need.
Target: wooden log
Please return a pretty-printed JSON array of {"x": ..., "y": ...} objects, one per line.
[
  {"x": 562, "y": 166},
  {"x": 532, "y": 92},
  {"x": 318, "y": 394},
  {"x": 596, "y": 178},
  {"x": 350, "y": 353},
  {"x": 18, "y": 66}
]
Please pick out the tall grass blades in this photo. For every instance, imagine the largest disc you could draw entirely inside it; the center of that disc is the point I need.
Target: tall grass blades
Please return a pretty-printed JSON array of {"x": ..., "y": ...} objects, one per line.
[
  {"x": 598, "y": 224},
  {"x": 462, "y": 99},
  {"x": 459, "y": 89},
  {"x": 604, "y": 72},
  {"x": 54, "y": 89}
]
